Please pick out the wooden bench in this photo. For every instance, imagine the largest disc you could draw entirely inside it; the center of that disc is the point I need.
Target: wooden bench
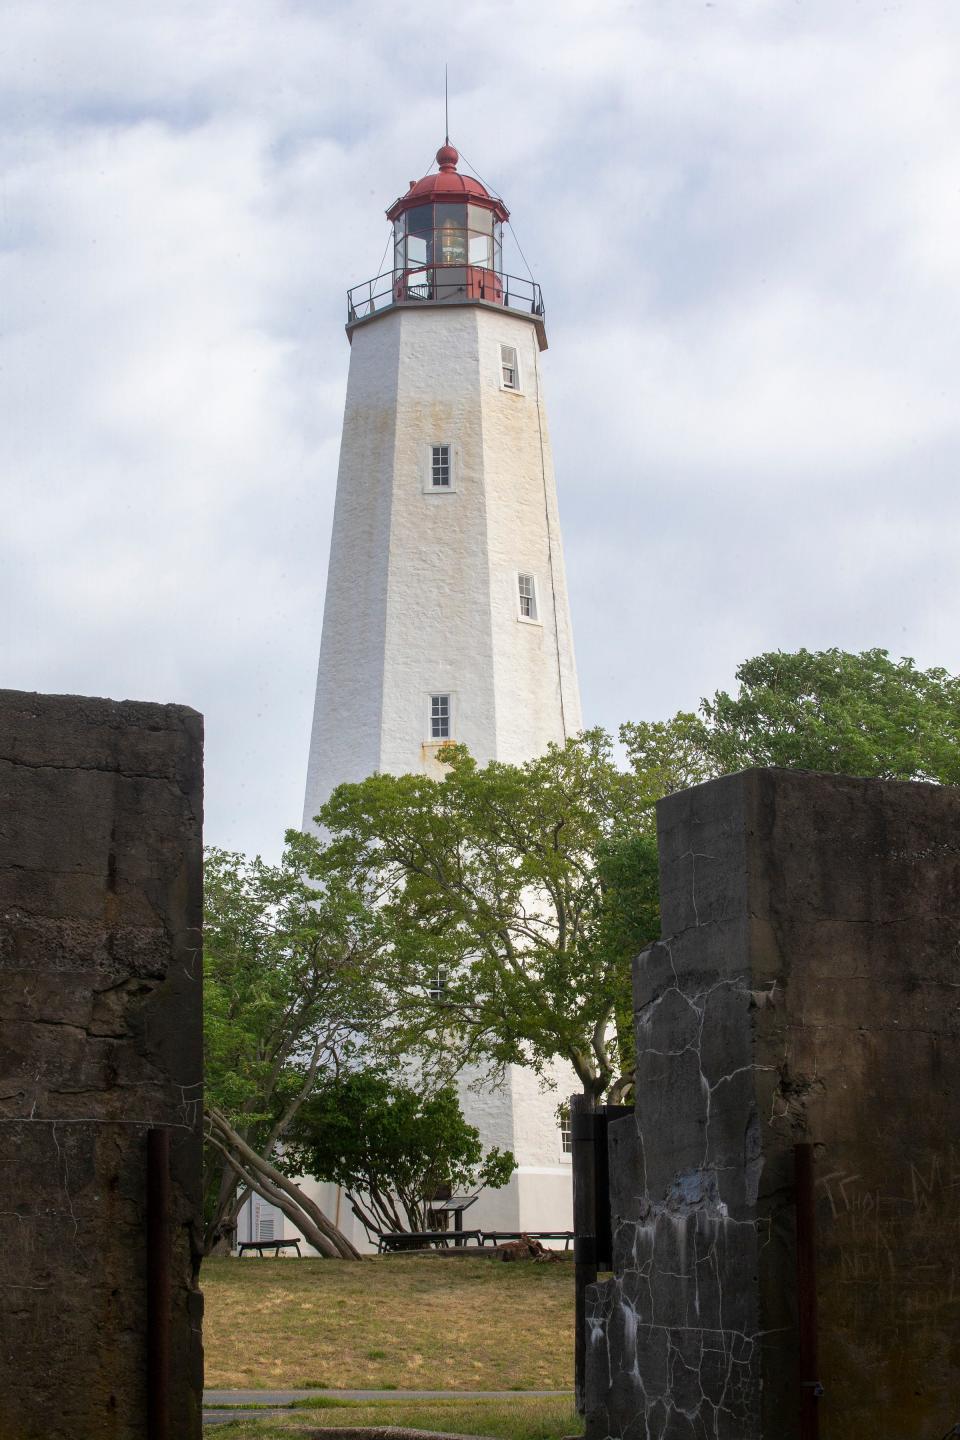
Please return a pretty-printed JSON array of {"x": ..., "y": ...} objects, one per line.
[
  {"x": 421, "y": 1239},
  {"x": 497, "y": 1237},
  {"x": 260, "y": 1245}
]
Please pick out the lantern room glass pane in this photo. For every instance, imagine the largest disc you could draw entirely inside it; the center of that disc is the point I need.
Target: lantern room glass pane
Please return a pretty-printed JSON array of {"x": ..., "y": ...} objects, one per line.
[
  {"x": 420, "y": 220},
  {"x": 455, "y": 215},
  {"x": 416, "y": 250},
  {"x": 479, "y": 220},
  {"x": 450, "y": 245},
  {"x": 450, "y": 236},
  {"x": 480, "y": 250}
]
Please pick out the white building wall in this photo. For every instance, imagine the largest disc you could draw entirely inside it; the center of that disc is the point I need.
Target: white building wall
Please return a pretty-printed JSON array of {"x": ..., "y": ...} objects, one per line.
[
  {"x": 345, "y": 742},
  {"x": 537, "y": 699},
  {"x": 422, "y": 586},
  {"x": 422, "y": 598},
  {"x": 438, "y": 625}
]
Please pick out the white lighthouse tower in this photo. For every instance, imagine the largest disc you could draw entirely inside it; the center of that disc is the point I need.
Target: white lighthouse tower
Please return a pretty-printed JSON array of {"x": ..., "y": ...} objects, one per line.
[{"x": 446, "y": 614}]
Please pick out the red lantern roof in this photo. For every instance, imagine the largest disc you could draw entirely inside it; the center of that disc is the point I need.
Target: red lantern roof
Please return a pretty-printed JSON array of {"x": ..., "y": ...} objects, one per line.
[{"x": 449, "y": 186}]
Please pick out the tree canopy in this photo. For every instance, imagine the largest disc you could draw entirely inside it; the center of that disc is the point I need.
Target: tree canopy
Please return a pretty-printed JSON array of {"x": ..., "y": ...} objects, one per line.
[
  {"x": 392, "y": 1148},
  {"x": 528, "y": 888},
  {"x": 830, "y": 710},
  {"x": 489, "y": 878},
  {"x": 289, "y": 998}
]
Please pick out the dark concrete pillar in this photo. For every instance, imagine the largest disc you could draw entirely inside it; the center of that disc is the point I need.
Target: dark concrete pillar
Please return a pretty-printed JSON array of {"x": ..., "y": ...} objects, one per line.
[
  {"x": 100, "y": 1043},
  {"x": 807, "y": 990}
]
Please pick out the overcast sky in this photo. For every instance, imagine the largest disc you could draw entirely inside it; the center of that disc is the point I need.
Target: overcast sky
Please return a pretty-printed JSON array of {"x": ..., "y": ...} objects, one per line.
[{"x": 746, "y": 221}]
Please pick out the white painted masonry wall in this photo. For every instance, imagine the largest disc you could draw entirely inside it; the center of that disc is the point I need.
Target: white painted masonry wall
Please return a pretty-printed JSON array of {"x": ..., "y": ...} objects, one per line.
[
  {"x": 345, "y": 742},
  {"x": 422, "y": 587},
  {"x": 422, "y": 598}
]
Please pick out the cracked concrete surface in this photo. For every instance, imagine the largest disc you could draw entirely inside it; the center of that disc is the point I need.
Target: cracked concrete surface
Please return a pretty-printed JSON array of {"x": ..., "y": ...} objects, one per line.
[
  {"x": 805, "y": 989},
  {"x": 100, "y": 1039}
]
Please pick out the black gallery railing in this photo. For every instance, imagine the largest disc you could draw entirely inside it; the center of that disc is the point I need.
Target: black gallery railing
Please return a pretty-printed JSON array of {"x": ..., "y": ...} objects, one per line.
[{"x": 439, "y": 284}]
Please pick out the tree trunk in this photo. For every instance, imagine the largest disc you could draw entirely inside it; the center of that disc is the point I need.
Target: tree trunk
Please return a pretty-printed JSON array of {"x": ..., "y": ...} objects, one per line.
[
  {"x": 278, "y": 1189},
  {"x": 276, "y": 1197},
  {"x": 215, "y": 1229}
]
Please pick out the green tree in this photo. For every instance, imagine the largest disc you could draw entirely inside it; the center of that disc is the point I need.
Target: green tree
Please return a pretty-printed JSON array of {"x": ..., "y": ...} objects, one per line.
[
  {"x": 490, "y": 876},
  {"x": 288, "y": 991},
  {"x": 391, "y": 1147},
  {"x": 829, "y": 710},
  {"x": 629, "y": 870},
  {"x": 531, "y": 886}
]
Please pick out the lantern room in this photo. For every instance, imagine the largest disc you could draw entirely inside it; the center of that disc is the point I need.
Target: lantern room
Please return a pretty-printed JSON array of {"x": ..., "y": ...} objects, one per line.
[
  {"x": 447, "y": 249},
  {"x": 448, "y": 237}
]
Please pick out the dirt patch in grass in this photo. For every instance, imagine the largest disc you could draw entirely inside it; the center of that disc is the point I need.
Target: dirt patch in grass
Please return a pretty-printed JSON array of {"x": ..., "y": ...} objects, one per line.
[
  {"x": 387, "y": 1322},
  {"x": 526, "y": 1418}
]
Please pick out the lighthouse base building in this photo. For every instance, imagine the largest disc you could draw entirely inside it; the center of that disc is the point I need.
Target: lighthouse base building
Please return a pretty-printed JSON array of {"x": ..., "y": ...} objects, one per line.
[{"x": 446, "y": 614}]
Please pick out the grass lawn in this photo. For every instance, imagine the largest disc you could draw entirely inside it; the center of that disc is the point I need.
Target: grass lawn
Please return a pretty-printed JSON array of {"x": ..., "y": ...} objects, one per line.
[
  {"x": 525, "y": 1418},
  {"x": 388, "y": 1322}
]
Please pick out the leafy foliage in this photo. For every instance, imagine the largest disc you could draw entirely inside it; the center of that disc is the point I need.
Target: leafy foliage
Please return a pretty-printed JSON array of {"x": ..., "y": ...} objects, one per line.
[
  {"x": 526, "y": 887},
  {"x": 287, "y": 993},
  {"x": 391, "y": 1147},
  {"x": 629, "y": 872},
  {"x": 851, "y": 714},
  {"x": 490, "y": 876},
  {"x": 531, "y": 886},
  {"x": 829, "y": 710}
]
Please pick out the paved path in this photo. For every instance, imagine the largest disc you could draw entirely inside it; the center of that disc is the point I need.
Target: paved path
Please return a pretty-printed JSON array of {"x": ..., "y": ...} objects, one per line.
[
  {"x": 224, "y": 1417},
  {"x": 212, "y": 1399},
  {"x": 287, "y": 1397}
]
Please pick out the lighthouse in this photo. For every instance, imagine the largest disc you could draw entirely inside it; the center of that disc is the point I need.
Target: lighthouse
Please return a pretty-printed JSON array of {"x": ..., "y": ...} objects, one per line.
[{"x": 446, "y": 615}]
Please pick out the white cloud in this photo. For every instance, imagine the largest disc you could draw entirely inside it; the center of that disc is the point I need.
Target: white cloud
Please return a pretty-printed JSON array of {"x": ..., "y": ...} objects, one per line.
[{"x": 747, "y": 224}]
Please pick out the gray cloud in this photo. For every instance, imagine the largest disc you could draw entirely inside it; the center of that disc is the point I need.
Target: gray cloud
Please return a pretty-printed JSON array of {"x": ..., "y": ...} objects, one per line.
[{"x": 747, "y": 224}]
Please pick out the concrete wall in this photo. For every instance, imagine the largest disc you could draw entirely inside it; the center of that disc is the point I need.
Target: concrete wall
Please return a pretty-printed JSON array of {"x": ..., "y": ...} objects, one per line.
[
  {"x": 807, "y": 989},
  {"x": 100, "y": 1038}
]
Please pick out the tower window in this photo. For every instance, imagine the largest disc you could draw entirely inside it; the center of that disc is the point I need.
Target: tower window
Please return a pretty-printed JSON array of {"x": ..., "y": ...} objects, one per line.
[
  {"x": 437, "y": 983},
  {"x": 440, "y": 466},
  {"x": 527, "y": 597},
  {"x": 565, "y": 1128},
  {"x": 509, "y": 373},
  {"x": 439, "y": 717}
]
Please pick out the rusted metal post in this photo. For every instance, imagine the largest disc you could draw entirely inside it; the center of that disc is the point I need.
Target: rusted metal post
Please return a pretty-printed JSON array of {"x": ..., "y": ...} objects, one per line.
[
  {"x": 158, "y": 1284},
  {"x": 810, "y": 1387},
  {"x": 582, "y": 1135}
]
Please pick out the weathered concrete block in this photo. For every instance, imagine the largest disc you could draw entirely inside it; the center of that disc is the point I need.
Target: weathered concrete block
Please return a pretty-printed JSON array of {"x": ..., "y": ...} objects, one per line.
[
  {"x": 807, "y": 989},
  {"x": 100, "y": 1040}
]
